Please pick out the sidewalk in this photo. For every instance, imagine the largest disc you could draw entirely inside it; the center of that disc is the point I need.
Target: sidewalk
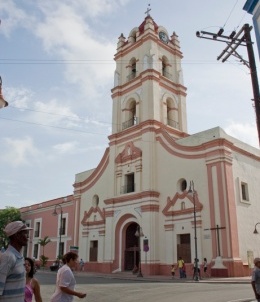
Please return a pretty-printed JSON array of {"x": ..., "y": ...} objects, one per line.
[{"x": 163, "y": 278}]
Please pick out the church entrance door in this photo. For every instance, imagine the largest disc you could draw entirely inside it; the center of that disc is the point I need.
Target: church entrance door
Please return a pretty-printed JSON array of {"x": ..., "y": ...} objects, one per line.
[
  {"x": 184, "y": 248},
  {"x": 131, "y": 248}
]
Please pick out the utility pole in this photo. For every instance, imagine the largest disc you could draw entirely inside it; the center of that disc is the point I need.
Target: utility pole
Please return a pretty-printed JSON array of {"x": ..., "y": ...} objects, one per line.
[{"x": 233, "y": 41}]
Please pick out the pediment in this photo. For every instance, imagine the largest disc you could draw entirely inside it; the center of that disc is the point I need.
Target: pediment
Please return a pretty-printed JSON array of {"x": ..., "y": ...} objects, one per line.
[
  {"x": 95, "y": 216},
  {"x": 129, "y": 153},
  {"x": 181, "y": 204}
]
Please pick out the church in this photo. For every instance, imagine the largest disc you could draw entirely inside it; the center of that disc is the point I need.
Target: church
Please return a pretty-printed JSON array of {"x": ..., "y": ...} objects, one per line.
[
  {"x": 159, "y": 193},
  {"x": 155, "y": 178}
]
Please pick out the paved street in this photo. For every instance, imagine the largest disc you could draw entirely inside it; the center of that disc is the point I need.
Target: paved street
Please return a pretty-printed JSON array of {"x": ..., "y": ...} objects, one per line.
[{"x": 126, "y": 288}]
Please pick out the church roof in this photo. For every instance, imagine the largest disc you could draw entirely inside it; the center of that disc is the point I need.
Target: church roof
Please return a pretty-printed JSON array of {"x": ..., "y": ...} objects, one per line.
[{"x": 141, "y": 27}]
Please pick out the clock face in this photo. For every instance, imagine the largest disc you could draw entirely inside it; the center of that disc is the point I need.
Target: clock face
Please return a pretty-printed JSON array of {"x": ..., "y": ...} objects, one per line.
[{"x": 163, "y": 37}]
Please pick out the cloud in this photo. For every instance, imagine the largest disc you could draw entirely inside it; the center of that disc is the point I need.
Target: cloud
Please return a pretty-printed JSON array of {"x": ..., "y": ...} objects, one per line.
[
  {"x": 12, "y": 17},
  {"x": 67, "y": 147},
  {"x": 20, "y": 152},
  {"x": 86, "y": 53},
  {"x": 54, "y": 113},
  {"x": 244, "y": 132},
  {"x": 19, "y": 96}
]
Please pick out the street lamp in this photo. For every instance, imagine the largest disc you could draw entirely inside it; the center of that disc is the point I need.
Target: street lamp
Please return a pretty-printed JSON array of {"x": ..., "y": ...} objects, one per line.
[
  {"x": 193, "y": 192},
  {"x": 139, "y": 233},
  {"x": 255, "y": 230},
  {"x": 3, "y": 102},
  {"x": 60, "y": 229}
]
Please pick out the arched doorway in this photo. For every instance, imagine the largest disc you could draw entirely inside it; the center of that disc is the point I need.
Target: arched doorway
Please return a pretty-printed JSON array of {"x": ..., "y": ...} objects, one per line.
[{"x": 131, "y": 248}]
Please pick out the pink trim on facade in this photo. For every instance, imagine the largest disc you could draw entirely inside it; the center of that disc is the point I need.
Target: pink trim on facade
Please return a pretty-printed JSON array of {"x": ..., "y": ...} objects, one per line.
[
  {"x": 169, "y": 227},
  {"x": 223, "y": 219},
  {"x": 181, "y": 196},
  {"x": 94, "y": 177},
  {"x": 231, "y": 211},
  {"x": 130, "y": 152},
  {"x": 119, "y": 254},
  {"x": 90, "y": 212},
  {"x": 131, "y": 197},
  {"x": 48, "y": 203},
  {"x": 212, "y": 209},
  {"x": 150, "y": 208},
  {"x": 109, "y": 213},
  {"x": 148, "y": 75},
  {"x": 149, "y": 126}
]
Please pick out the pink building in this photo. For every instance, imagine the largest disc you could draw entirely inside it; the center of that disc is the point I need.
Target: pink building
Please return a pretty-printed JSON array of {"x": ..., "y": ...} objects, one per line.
[{"x": 61, "y": 228}]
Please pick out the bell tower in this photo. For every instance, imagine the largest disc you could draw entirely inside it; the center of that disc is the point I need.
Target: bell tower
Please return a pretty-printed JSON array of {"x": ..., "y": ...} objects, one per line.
[
  {"x": 148, "y": 81},
  {"x": 148, "y": 98}
]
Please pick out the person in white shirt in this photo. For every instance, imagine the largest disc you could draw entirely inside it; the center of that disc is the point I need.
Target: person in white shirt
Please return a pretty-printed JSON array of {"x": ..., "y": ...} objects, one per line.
[{"x": 65, "y": 282}]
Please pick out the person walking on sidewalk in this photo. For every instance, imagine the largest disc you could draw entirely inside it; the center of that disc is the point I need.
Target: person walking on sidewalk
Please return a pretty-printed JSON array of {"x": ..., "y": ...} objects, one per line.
[
  {"x": 81, "y": 265},
  {"x": 255, "y": 281},
  {"x": 205, "y": 268},
  {"x": 65, "y": 282}
]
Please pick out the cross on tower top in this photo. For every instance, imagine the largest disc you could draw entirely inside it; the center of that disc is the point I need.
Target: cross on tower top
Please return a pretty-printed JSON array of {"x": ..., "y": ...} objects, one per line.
[{"x": 148, "y": 10}]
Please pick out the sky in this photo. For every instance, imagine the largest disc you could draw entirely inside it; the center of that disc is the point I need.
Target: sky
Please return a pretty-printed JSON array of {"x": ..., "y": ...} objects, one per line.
[{"x": 57, "y": 67}]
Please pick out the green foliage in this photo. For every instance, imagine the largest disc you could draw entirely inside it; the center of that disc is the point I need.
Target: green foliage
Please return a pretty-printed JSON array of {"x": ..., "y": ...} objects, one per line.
[
  {"x": 7, "y": 215},
  {"x": 43, "y": 242},
  {"x": 43, "y": 260}
]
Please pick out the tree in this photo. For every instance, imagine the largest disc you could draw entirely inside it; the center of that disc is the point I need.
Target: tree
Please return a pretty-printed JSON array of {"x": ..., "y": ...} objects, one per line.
[
  {"x": 43, "y": 242},
  {"x": 7, "y": 215}
]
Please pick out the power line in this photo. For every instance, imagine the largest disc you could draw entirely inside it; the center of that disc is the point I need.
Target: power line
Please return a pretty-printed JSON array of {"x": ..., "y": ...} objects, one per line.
[
  {"x": 230, "y": 14},
  {"x": 233, "y": 41},
  {"x": 63, "y": 115},
  {"x": 57, "y": 127}
]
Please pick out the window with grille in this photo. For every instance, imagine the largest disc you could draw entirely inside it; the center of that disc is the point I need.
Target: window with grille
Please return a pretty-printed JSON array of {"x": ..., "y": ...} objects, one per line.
[
  {"x": 244, "y": 191},
  {"x": 37, "y": 229}
]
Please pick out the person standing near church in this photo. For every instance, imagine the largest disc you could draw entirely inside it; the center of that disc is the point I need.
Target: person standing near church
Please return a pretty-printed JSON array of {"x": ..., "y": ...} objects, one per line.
[
  {"x": 181, "y": 267},
  {"x": 81, "y": 264},
  {"x": 12, "y": 271}
]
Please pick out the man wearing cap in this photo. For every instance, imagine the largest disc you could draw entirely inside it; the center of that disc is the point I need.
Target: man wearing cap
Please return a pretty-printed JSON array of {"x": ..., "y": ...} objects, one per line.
[
  {"x": 12, "y": 271},
  {"x": 256, "y": 279}
]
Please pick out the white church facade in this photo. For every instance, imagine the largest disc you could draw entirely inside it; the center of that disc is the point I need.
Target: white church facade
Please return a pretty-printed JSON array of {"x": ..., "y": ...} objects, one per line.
[
  {"x": 136, "y": 205},
  {"x": 158, "y": 193}
]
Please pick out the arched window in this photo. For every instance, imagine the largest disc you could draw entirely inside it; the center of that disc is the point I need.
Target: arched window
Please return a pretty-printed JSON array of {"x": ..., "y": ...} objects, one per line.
[
  {"x": 133, "y": 112},
  {"x": 95, "y": 201},
  {"x": 172, "y": 114},
  {"x": 165, "y": 68},
  {"x": 130, "y": 116},
  {"x": 132, "y": 36},
  {"x": 132, "y": 73},
  {"x": 182, "y": 185}
]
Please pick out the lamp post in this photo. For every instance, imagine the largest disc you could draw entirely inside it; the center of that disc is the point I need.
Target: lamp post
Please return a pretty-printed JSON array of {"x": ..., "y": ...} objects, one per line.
[
  {"x": 60, "y": 229},
  {"x": 255, "y": 230},
  {"x": 192, "y": 191},
  {"x": 139, "y": 234},
  {"x": 3, "y": 102}
]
